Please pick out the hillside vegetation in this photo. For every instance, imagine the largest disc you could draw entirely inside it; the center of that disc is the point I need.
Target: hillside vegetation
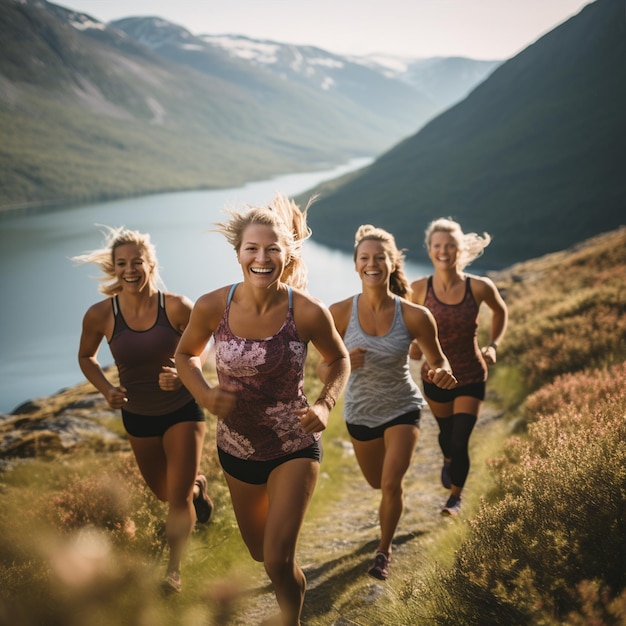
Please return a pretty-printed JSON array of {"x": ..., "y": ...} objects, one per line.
[
  {"x": 533, "y": 155},
  {"x": 546, "y": 546}
]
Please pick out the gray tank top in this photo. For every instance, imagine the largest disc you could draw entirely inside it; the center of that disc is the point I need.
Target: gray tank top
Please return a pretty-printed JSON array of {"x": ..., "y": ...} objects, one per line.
[{"x": 383, "y": 388}]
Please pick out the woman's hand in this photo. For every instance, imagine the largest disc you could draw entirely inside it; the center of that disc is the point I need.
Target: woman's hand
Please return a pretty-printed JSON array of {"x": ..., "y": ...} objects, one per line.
[
  {"x": 168, "y": 378},
  {"x": 220, "y": 400},
  {"x": 444, "y": 379},
  {"x": 116, "y": 397},
  {"x": 314, "y": 419}
]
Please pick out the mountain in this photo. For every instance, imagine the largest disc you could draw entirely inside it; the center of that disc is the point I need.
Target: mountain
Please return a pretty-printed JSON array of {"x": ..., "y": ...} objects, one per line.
[
  {"x": 534, "y": 155},
  {"x": 93, "y": 111}
]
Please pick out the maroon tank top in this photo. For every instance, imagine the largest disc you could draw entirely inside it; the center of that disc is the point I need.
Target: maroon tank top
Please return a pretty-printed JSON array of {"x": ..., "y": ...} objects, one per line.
[
  {"x": 269, "y": 377},
  {"x": 457, "y": 325},
  {"x": 139, "y": 356}
]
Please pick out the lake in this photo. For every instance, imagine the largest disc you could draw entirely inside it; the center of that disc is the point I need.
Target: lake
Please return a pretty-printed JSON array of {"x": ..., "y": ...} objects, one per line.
[{"x": 44, "y": 295}]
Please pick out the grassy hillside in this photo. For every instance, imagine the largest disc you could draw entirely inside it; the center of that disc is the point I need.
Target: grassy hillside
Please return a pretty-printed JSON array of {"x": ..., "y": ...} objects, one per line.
[
  {"x": 533, "y": 155},
  {"x": 545, "y": 545}
]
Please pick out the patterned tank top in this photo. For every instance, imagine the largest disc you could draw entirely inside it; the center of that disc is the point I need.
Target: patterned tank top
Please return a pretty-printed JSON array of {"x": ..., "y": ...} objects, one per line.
[
  {"x": 139, "y": 356},
  {"x": 457, "y": 325},
  {"x": 269, "y": 376},
  {"x": 383, "y": 388}
]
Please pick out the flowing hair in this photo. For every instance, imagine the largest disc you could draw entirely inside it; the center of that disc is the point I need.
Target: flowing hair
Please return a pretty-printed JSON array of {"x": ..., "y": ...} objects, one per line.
[
  {"x": 398, "y": 282},
  {"x": 110, "y": 285},
  {"x": 289, "y": 223},
  {"x": 470, "y": 245}
]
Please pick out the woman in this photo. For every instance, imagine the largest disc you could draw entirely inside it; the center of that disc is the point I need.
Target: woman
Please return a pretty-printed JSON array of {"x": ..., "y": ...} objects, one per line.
[
  {"x": 454, "y": 298},
  {"x": 382, "y": 402},
  {"x": 165, "y": 425},
  {"x": 268, "y": 434}
]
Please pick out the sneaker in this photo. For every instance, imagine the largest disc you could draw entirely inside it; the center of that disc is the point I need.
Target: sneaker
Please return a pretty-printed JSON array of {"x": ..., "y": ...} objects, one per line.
[
  {"x": 446, "y": 479},
  {"x": 380, "y": 568},
  {"x": 452, "y": 507},
  {"x": 171, "y": 583},
  {"x": 202, "y": 503}
]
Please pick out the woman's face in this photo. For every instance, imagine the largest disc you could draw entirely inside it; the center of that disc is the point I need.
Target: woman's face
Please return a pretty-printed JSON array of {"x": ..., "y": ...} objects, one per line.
[
  {"x": 131, "y": 267},
  {"x": 261, "y": 255},
  {"x": 372, "y": 263},
  {"x": 443, "y": 250}
]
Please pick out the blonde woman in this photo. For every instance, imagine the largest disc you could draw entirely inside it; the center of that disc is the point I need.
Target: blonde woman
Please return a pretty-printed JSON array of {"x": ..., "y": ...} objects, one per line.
[
  {"x": 268, "y": 432},
  {"x": 382, "y": 402},
  {"x": 454, "y": 298},
  {"x": 165, "y": 425}
]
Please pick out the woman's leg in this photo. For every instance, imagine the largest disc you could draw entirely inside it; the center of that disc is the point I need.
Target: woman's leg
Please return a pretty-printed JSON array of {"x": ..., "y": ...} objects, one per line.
[
  {"x": 169, "y": 465},
  {"x": 466, "y": 409},
  {"x": 290, "y": 488},
  {"x": 400, "y": 444}
]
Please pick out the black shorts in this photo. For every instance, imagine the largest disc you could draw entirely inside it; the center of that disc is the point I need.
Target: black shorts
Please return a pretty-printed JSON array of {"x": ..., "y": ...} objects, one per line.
[
  {"x": 436, "y": 394},
  {"x": 365, "y": 433},
  {"x": 258, "y": 472},
  {"x": 156, "y": 425}
]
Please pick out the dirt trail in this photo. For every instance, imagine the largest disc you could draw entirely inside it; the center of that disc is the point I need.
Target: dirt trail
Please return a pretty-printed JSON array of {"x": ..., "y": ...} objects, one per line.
[{"x": 336, "y": 550}]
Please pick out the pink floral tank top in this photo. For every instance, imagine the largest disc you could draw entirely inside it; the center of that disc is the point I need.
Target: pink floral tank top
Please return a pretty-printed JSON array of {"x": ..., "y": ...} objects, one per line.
[{"x": 269, "y": 376}]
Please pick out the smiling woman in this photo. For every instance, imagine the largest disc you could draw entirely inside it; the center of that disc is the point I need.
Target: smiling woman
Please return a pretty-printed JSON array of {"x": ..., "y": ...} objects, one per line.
[
  {"x": 268, "y": 433},
  {"x": 164, "y": 424}
]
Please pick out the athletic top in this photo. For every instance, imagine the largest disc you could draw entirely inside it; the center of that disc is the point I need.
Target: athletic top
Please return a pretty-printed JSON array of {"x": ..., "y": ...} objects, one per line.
[
  {"x": 139, "y": 356},
  {"x": 457, "y": 325},
  {"x": 383, "y": 388},
  {"x": 269, "y": 377}
]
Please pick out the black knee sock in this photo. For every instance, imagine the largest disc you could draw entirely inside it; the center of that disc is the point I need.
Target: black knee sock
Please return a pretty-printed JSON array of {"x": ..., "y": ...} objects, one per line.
[
  {"x": 445, "y": 435},
  {"x": 462, "y": 426}
]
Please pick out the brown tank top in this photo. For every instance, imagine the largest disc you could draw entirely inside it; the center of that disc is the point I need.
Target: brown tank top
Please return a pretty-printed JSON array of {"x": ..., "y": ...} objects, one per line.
[
  {"x": 457, "y": 325},
  {"x": 139, "y": 356}
]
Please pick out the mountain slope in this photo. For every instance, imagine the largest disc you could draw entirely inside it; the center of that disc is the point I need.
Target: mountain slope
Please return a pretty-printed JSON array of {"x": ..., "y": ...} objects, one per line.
[
  {"x": 534, "y": 155},
  {"x": 87, "y": 112}
]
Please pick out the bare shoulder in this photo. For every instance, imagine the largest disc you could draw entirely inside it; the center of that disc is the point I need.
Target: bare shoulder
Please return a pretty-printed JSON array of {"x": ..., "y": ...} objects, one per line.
[
  {"x": 413, "y": 311},
  {"x": 178, "y": 309},
  {"x": 99, "y": 318},
  {"x": 100, "y": 311},
  {"x": 213, "y": 301},
  {"x": 482, "y": 286},
  {"x": 418, "y": 288}
]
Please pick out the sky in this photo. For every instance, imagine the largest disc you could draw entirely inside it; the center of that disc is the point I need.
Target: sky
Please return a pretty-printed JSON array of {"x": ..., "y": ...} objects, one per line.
[{"x": 478, "y": 29}]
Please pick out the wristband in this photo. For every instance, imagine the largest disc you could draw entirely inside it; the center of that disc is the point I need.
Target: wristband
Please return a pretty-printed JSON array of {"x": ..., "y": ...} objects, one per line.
[{"x": 493, "y": 345}]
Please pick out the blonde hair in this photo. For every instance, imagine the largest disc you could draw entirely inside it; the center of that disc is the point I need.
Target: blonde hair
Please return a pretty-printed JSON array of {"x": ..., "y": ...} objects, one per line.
[
  {"x": 470, "y": 245},
  {"x": 104, "y": 257},
  {"x": 289, "y": 223},
  {"x": 398, "y": 282}
]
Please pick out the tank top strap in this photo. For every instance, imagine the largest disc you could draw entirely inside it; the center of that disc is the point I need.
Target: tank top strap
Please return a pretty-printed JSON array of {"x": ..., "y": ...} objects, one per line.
[
  {"x": 161, "y": 300},
  {"x": 468, "y": 287},
  {"x": 230, "y": 293},
  {"x": 290, "y": 295},
  {"x": 116, "y": 305}
]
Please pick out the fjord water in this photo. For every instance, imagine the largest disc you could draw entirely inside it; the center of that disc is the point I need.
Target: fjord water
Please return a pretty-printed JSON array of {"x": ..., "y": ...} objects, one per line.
[{"x": 45, "y": 295}]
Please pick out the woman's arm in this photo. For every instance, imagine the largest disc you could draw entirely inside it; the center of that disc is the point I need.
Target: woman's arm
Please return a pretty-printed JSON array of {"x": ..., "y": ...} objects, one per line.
[
  {"x": 422, "y": 326},
  {"x": 220, "y": 399},
  {"x": 318, "y": 326},
  {"x": 95, "y": 325}
]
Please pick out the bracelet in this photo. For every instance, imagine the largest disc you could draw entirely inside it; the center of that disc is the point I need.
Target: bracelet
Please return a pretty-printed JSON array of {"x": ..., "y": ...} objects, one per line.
[
  {"x": 493, "y": 345},
  {"x": 328, "y": 401}
]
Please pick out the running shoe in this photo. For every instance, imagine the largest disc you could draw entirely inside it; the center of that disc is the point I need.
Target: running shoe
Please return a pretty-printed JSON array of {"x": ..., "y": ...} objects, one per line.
[
  {"x": 202, "y": 503},
  {"x": 453, "y": 506},
  {"x": 446, "y": 479},
  {"x": 171, "y": 583},
  {"x": 380, "y": 568}
]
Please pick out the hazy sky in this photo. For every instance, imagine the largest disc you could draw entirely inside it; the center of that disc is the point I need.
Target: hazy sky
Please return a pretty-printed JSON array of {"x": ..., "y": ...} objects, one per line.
[{"x": 479, "y": 29}]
